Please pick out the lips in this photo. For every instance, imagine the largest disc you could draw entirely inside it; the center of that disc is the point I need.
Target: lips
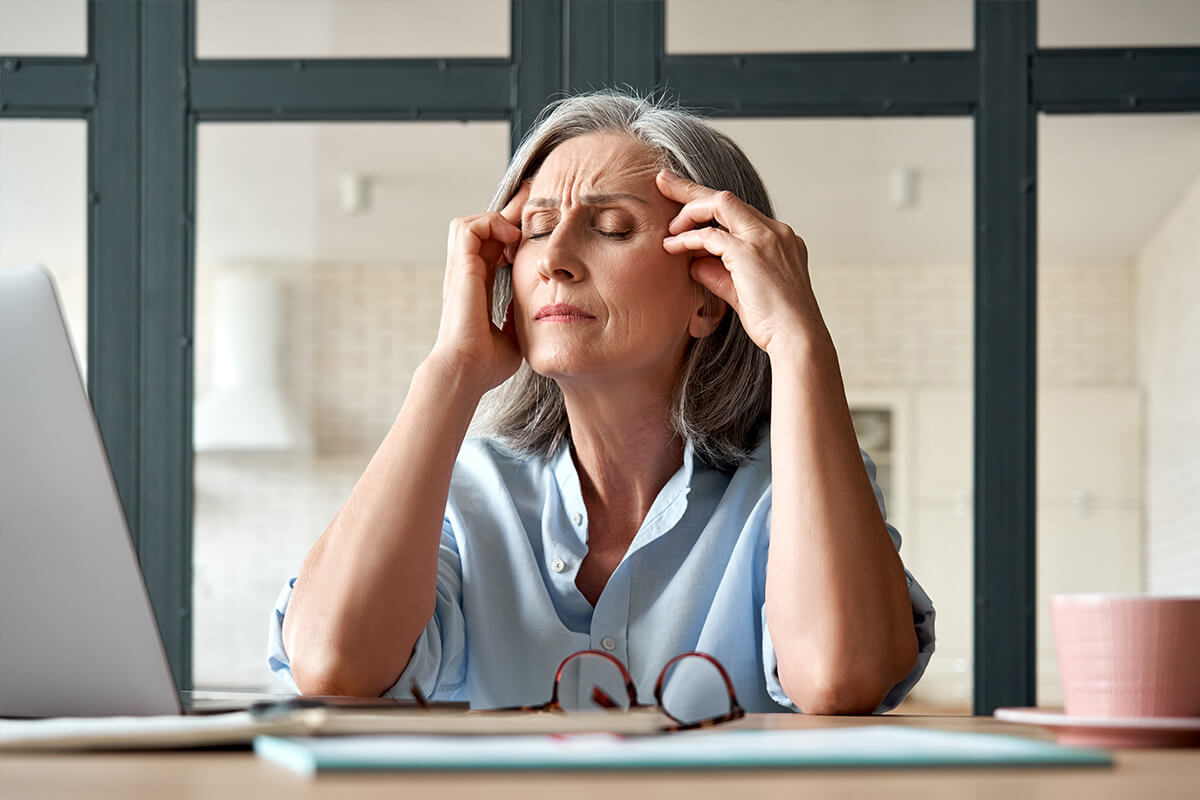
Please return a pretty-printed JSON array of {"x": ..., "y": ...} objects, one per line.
[{"x": 562, "y": 312}]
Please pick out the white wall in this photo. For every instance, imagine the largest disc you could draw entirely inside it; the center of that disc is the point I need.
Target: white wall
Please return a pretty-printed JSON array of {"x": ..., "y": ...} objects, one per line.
[{"x": 1168, "y": 342}]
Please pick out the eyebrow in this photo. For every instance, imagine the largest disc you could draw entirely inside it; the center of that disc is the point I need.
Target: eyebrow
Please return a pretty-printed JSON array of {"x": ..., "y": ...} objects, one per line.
[{"x": 588, "y": 200}]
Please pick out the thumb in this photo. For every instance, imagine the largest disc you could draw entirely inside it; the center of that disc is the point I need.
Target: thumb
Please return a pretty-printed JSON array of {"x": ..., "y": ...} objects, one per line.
[{"x": 711, "y": 273}]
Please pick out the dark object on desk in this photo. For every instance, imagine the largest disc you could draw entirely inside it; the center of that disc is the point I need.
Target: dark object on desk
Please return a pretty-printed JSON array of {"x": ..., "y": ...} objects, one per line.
[{"x": 288, "y": 704}]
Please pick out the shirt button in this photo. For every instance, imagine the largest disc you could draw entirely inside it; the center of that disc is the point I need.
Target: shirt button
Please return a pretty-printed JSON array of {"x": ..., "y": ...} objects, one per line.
[
  {"x": 577, "y": 518},
  {"x": 558, "y": 565},
  {"x": 608, "y": 644}
]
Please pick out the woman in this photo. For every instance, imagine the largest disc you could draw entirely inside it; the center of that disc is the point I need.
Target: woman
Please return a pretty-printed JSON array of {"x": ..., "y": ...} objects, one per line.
[{"x": 667, "y": 368}]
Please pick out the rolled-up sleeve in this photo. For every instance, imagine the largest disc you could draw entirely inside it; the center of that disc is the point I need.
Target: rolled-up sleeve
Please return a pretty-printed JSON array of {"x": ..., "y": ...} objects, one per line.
[
  {"x": 923, "y": 623},
  {"x": 438, "y": 661},
  {"x": 277, "y": 657}
]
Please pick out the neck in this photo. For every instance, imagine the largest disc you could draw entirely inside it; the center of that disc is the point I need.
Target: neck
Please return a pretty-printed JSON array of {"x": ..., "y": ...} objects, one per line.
[{"x": 625, "y": 449}]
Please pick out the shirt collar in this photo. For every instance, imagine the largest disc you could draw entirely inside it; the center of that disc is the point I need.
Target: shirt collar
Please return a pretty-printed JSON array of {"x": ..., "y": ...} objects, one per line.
[
  {"x": 668, "y": 508},
  {"x": 665, "y": 512},
  {"x": 569, "y": 489}
]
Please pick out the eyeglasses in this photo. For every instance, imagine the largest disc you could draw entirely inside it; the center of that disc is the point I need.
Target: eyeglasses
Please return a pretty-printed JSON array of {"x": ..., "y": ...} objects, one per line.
[{"x": 693, "y": 689}]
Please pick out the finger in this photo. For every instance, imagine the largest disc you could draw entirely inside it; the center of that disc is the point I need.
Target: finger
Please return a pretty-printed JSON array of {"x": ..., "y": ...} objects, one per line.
[
  {"x": 713, "y": 241},
  {"x": 693, "y": 215},
  {"x": 703, "y": 204},
  {"x": 492, "y": 254},
  {"x": 487, "y": 236},
  {"x": 469, "y": 235},
  {"x": 475, "y": 254},
  {"x": 513, "y": 208},
  {"x": 723, "y": 208},
  {"x": 711, "y": 273}
]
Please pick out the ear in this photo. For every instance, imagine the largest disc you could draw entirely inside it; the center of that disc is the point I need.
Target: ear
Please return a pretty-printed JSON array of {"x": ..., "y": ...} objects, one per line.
[{"x": 707, "y": 315}]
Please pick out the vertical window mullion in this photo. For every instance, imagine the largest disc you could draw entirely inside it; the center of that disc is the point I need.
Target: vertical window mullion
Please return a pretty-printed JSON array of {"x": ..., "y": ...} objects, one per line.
[{"x": 1005, "y": 502}]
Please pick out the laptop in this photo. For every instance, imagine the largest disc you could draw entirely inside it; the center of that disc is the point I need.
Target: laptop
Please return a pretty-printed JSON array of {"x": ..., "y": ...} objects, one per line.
[{"x": 77, "y": 632}]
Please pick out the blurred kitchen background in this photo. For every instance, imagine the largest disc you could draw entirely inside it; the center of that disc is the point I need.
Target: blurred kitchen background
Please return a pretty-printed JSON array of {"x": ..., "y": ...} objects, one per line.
[{"x": 320, "y": 250}]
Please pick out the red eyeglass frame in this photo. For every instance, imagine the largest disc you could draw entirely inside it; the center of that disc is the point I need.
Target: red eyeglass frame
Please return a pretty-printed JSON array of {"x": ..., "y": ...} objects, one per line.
[{"x": 601, "y": 698}]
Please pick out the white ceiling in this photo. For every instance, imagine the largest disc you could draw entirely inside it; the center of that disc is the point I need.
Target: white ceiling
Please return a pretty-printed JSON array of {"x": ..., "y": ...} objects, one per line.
[
  {"x": 270, "y": 191},
  {"x": 830, "y": 180},
  {"x": 1107, "y": 182}
]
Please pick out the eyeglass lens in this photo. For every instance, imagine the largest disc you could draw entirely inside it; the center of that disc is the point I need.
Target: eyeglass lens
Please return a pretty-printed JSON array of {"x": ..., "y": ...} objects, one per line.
[
  {"x": 694, "y": 691},
  {"x": 582, "y": 675}
]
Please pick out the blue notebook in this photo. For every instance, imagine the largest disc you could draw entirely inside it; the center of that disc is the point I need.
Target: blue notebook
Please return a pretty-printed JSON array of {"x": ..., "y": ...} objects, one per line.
[{"x": 869, "y": 746}]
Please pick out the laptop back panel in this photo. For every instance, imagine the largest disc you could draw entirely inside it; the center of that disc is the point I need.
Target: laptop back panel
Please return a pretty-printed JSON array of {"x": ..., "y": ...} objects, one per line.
[{"x": 77, "y": 632}]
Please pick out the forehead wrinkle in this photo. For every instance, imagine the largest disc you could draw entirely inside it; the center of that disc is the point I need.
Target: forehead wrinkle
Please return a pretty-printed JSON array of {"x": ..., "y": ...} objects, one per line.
[
  {"x": 606, "y": 199},
  {"x": 575, "y": 172}
]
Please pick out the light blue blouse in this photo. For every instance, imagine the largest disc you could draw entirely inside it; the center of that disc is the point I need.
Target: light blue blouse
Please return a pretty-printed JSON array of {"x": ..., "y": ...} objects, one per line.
[{"x": 508, "y": 611}]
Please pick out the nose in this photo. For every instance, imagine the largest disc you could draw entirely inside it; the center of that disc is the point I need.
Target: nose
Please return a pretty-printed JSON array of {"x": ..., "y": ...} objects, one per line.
[
  {"x": 562, "y": 272},
  {"x": 559, "y": 259}
]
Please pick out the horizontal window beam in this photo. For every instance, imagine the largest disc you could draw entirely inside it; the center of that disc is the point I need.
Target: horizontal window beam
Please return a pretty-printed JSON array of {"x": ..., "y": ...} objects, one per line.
[
  {"x": 1115, "y": 80},
  {"x": 46, "y": 87},
  {"x": 332, "y": 89},
  {"x": 826, "y": 84}
]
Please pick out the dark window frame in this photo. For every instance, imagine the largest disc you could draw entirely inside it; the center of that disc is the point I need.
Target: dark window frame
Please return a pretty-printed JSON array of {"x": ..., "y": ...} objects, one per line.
[{"x": 143, "y": 92}]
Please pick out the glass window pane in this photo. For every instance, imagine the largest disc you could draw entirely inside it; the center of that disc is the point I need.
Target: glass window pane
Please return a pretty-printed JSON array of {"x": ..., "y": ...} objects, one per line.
[
  {"x": 885, "y": 207},
  {"x": 1107, "y": 23},
  {"x": 319, "y": 264},
  {"x": 1119, "y": 356},
  {"x": 351, "y": 28},
  {"x": 764, "y": 26},
  {"x": 43, "y": 209},
  {"x": 43, "y": 27}
]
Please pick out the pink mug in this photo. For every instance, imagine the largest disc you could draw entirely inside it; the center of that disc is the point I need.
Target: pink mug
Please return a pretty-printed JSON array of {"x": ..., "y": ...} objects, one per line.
[{"x": 1123, "y": 656}]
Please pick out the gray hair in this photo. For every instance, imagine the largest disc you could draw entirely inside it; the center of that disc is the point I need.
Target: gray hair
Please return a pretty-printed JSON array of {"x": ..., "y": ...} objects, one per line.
[{"x": 723, "y": 395}]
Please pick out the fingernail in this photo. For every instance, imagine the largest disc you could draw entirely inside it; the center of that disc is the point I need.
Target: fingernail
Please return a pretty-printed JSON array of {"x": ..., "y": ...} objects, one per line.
[{"x": 666, "y": 173}]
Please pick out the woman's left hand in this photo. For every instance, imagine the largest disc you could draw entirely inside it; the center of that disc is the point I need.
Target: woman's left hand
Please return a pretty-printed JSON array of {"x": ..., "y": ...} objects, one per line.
[{"x": 756, "y": 264}]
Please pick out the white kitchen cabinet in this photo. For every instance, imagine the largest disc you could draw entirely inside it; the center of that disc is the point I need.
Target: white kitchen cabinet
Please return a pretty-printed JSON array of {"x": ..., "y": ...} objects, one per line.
[
  {"x": 1098, "y": 551},
  {"x": 1089, "y": 445}
]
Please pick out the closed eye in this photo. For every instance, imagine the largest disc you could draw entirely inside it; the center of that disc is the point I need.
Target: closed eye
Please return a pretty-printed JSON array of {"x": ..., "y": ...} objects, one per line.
[{"x": 605, "y": 233}]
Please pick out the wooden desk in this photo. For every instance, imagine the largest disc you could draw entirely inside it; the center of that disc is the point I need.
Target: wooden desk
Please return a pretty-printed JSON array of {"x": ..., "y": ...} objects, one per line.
[{"x": 1139, "y": 774}]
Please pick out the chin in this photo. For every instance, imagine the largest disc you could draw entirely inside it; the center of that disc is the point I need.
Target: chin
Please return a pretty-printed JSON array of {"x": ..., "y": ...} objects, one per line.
[
  {"x": 555, "y": 371},
  {"x": 561, "y": 362}
]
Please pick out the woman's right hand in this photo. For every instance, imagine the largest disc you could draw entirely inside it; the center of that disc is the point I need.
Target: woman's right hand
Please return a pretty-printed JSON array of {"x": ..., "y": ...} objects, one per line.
[{"x": 468, "y": 342}]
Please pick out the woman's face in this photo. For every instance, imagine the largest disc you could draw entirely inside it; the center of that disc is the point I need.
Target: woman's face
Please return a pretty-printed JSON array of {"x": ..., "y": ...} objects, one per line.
[{"x": 595, "y": 296}]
